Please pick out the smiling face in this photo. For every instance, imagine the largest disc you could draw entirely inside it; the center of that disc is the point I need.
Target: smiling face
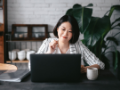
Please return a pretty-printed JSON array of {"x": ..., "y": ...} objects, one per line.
[{"x": 65, "y": 32}]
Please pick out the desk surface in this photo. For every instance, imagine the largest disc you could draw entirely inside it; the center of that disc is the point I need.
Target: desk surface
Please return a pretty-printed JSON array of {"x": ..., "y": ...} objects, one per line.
[{"x": 105, "y": 81}]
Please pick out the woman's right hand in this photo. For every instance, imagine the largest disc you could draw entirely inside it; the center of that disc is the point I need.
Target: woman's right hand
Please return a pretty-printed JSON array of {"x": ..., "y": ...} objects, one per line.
[{"x": 52, "y": 46}]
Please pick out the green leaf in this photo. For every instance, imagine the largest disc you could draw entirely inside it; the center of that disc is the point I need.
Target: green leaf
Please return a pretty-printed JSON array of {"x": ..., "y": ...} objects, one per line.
[
  {"x": 105, "y": 60},
  {"x": 115, "y": 7},
  {"x": 116, "y": 58},
  {"x": 116, "y": 26},
  {"x": 103, "y": 45},
  {"x": 118, "y": 19},
  {"x": 69, "y": 12},
  {"x": 89, "y": 5},
  {"x": 94, "y": 34},
  {"x": 113, "y": 39},
  {"x": 77, "y": 6},
  {"x": 82, "y": 15},
  {"x": 96, "y": 29}
]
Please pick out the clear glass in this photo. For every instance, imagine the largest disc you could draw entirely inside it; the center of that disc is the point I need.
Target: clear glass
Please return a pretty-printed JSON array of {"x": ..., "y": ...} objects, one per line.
[
  {"x": 38, "y": 32},
  {"x": 21, "y": 32}
]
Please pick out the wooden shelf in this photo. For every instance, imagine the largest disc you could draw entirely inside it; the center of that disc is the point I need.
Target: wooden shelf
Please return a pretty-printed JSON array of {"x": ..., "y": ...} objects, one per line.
[
  {"x": 24, "y": 40},
  {"x": 17, "y": 61}
]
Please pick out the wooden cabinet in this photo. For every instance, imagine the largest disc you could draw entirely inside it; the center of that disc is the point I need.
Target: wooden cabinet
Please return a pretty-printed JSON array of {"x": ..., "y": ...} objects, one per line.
[{"x": 29, "y": 32}]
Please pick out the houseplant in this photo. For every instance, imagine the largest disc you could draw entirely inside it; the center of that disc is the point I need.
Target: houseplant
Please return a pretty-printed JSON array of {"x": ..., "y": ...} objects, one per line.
[{"x": 95, "y": 30}]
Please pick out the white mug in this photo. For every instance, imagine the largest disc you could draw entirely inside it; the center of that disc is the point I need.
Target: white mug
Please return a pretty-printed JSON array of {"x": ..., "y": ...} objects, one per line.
[{"x": 92, "y": 73}]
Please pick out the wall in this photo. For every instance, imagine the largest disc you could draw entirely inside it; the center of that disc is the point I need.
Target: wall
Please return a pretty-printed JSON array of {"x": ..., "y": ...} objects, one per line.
[
  {"x": 49, "y": 12},
  {"x": 1, "y": 13}
]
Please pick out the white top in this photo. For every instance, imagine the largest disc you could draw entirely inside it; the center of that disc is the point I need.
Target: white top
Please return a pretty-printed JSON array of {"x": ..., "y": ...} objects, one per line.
[
  {"x": 77, "y": 48},
  {"x": 68, "y": 52},
  {"x": 59, "y": 52}
]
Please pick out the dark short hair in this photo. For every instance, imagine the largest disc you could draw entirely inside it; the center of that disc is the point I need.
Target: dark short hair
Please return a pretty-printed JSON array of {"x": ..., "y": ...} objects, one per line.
[{"x": 74, "y": 24}]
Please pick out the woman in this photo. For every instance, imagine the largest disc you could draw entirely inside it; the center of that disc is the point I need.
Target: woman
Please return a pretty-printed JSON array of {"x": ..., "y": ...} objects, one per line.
[{"x": 67, "y": 42}]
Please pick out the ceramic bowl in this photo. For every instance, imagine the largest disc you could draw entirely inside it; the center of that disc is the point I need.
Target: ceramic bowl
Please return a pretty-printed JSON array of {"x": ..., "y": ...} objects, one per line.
[
  {"x": 26, "y": 50},
  {"x": 21, "y": 53},
  {"x": 21, "y": 57},
  {"x": 12, "y": 55},
  {"x": 17, "y": 50}
]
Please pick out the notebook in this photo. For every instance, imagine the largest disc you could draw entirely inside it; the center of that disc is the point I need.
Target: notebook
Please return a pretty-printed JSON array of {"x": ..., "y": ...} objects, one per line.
[
  {"x": 55, "y": 67},
  {"x": 16, "y": 76}
]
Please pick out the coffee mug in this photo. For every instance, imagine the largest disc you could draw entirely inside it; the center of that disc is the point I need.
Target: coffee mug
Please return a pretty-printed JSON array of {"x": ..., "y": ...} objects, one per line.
[{"x": 92, "y": 73}]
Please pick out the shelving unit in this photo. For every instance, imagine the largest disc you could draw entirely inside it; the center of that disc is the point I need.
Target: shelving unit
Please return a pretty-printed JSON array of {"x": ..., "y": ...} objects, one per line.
[{"x": 30, "y": 29}]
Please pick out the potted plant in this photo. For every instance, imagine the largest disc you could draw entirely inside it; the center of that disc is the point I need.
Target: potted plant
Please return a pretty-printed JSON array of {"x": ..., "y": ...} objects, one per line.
[{"x": 95, "y": 30}]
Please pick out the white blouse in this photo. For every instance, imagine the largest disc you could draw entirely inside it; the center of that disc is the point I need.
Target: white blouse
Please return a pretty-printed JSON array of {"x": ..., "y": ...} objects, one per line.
[
  {"x": 77, "y": 48},
  {"x": 57, "y": 51}
]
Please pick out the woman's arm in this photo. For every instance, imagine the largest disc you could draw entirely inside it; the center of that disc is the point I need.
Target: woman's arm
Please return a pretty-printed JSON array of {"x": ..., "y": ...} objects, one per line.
[
  {"x": 43, "y": 47},
  {"x": 90, "y": 58},
  {"x": 84, "y": 69}
]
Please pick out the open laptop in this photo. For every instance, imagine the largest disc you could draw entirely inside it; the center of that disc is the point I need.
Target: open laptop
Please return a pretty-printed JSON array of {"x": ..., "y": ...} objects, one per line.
[{"x": 55, "y": 67}]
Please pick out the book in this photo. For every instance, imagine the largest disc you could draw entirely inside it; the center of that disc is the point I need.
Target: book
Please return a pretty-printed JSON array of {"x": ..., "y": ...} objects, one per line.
[{"x": 16, "y": 76}]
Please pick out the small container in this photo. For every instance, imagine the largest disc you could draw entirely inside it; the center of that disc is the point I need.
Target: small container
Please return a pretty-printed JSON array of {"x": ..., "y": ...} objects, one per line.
[
  {"x": 16, "y": 35},
  {"x": 36, "y": 35},
  {"x": 20, "y": 35},
  {"x": 25, "y": 35}
]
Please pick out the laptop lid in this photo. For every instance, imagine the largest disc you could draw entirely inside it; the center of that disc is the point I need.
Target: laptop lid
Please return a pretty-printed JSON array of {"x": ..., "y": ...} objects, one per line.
[{"x": 55, "y": 67}]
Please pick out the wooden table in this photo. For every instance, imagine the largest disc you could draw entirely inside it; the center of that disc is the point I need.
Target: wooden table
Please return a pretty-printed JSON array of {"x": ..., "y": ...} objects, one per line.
[{"x": 105, "y": 81}]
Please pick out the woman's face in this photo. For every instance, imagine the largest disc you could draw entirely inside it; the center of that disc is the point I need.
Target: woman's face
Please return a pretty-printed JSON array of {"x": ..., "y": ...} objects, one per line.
[{"x": 65, "y": 32}]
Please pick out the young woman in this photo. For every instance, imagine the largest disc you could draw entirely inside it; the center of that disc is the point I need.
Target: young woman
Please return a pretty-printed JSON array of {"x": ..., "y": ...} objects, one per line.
[{"x": 67, "y": 42}]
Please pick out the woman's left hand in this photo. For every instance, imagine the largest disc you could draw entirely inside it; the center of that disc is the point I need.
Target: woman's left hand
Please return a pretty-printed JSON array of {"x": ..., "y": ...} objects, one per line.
[{"x": 83, "y": 69}]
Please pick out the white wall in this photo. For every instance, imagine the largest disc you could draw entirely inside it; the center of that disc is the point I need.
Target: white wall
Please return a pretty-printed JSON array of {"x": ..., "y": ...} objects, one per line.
[{"x": 49, "y": 12}]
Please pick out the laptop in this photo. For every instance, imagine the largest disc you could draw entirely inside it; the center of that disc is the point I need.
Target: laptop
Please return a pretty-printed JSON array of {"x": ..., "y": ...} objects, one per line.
[{"x": 55, "y": 67}]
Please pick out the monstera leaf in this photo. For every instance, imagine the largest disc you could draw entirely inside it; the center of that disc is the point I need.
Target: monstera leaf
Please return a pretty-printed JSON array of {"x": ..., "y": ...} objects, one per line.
[
  {"x": 114, "y": 7},
  {"x": 82, "y": 15},
  {"x": 94, "y": 33},
  {"x": 95, "y": 30}
]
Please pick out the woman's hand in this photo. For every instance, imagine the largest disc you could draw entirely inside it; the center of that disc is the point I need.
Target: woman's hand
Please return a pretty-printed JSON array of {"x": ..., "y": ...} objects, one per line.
[
  {"x": 52, "y": 46},
  {"x": 83, "y": 69}
]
